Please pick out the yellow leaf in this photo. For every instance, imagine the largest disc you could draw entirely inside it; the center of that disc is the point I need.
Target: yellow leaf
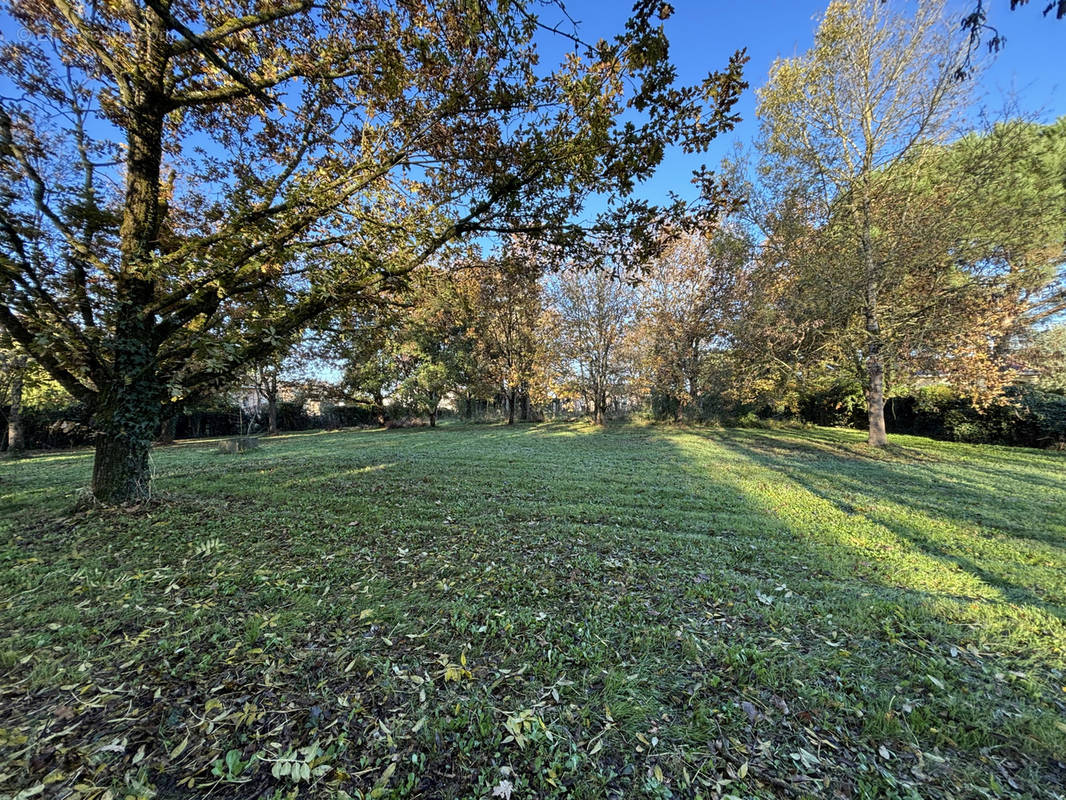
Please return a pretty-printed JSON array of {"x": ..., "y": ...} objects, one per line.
[
  {"x": 389, "y": 770},
  {"x": 454, "y": 673}
]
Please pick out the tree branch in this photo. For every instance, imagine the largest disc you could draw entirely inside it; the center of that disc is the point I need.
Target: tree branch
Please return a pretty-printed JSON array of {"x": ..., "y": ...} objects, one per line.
[
  {"x": 204, "y": 48},
  {"x": 205, "y": 41},
  {"x": 43, "y": 355}
]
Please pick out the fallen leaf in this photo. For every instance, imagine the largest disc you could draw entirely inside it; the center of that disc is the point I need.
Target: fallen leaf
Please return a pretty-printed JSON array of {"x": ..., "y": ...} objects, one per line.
[{"x": 754, "y": 715}]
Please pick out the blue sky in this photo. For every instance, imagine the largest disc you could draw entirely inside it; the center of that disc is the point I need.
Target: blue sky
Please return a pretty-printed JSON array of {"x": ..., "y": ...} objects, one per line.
[{"x": 703, "y": 33}]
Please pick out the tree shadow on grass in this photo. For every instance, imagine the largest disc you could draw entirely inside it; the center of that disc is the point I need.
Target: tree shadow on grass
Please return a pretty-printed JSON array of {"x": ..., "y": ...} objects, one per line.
[
  {"x": 839, "y": 528},
  {"x": 1015, "y": 497},
  {"x": 1027, "y": 465},
  {"x": 991, "y": 524}
]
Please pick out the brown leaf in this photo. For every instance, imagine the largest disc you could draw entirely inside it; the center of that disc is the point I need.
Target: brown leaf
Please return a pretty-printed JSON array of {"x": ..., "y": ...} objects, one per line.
[
  {"x": 753, "y": 713},
  {"x": 64, "y": 712}
]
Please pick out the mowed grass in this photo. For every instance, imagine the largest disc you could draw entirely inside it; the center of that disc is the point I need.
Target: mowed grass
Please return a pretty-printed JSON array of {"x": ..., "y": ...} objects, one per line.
[{"x": 540, "y": 611}]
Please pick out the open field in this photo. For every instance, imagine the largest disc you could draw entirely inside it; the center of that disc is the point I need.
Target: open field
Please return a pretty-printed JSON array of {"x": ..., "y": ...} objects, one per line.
[{"x": 540, "y": 611}]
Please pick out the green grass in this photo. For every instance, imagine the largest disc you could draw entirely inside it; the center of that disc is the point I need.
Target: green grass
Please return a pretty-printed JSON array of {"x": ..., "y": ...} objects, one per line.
[{"x": 632, "y": 612}]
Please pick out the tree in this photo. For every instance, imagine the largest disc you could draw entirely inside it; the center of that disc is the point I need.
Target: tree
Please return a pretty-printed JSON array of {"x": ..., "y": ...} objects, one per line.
[
  {"x": 24, "y": 387},
  {"x": 362, "y": 340},
  {"x": 873, "y": 89},
  {"x": 411, "y": 345},
  {"x": 13, "y": 369},
  {"x": 688, "y": 302},
  {"x": 972, "y": 239},
  {"x": 426, "y": 385},
  {"x": 1010, "y": 188},
  {"x": 593, "y": 312},
  {"x": 1047, "y": 353},
  {"x": 265, "y": 377},
  {"x": 784, "y": 318},
  {"x": 504, "y": 295},
  {"x": 323, "y": 150},
  {"x": 430, "y": 346},
  {"x": 285, "y": 370}
]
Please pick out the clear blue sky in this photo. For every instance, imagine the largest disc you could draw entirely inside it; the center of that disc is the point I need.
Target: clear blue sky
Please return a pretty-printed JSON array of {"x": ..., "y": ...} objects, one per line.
[{"x": 703, "y": 33}]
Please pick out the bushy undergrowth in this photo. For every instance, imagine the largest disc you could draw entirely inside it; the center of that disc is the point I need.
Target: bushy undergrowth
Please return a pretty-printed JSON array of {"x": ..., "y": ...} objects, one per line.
[{"x": 1025, "y": 416}]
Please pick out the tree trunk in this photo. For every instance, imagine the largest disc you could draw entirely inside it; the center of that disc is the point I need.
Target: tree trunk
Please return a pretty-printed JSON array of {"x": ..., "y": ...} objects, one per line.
[
  {"x": 525, "y": 405},
  {"x": 127, "y": 417},
  {"x": 875, "y": 365},
  {"x": 272, "y": 415},
  {"x": 120, "y": 469},
  {"x": 433, "y": 419},
  {"x": 121, "y": 472},
  {"x": 381, "y": 414},
  {"x": 168, "y": 428},
  {"x": 16, "y": 441},
  {"x": 692, "y": 377},
  {"x": 127, "y": 410},
  {"x": 875, "y": 393},
  {"x": 512, "y": 397}
]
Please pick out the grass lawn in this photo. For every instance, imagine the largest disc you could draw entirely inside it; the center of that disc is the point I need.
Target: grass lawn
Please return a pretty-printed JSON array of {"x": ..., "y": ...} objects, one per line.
[{"x": 541, "y": 611}]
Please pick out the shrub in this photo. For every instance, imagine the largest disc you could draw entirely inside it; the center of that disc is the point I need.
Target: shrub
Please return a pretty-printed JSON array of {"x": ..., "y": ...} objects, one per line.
[
  {"x": 841, "y": 405},
  {"x": 964, "y": 429},
  {"x": 57, "y": 427},
  {"x": 664, "y": 406},
  {"x": 1026, "y": 416}
]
